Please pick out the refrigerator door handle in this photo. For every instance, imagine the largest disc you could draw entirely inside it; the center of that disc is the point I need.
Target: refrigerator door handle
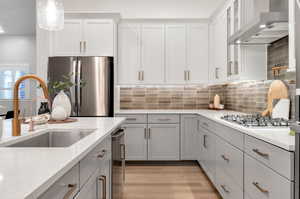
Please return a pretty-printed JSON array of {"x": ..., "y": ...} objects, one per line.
[
  {"x": 78, "y": 79},
  {"x": 74, "y": 93}
]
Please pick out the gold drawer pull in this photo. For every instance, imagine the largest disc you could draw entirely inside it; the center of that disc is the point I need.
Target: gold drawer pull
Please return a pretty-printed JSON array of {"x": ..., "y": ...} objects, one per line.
[
  {"x": 256, "y": 184},
  {"x": 225, "y": 158},
  {"x": 72, "y": 188},
  {"x": 131, "y": 119},
  {"x": 224, "y": 188},
  {"x": 265, "y": 155}
]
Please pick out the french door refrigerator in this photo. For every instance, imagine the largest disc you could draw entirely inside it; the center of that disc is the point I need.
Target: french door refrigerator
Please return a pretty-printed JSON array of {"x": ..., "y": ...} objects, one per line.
[{"x": 95, "y": 97}]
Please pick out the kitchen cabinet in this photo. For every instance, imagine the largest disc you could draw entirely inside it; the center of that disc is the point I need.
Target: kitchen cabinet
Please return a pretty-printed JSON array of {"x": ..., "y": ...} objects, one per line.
[
  {"x": 218, "y": 49},
  {"x": 176, "y": 53},
  {"x": 89, "y": 179},
  {"x": 163, "y": 53},
  {"x": 187, "y": 53},
  {"x": 163, "y": 142},
  {"x": 66, "y": 187},
  {"x": 84, "y": 37},
  {"x": 208, "y": 148},
  {"x": 136, "y": 141},
  {"x": 190, "y": 139},
  {"x": 141, "y": 53}
]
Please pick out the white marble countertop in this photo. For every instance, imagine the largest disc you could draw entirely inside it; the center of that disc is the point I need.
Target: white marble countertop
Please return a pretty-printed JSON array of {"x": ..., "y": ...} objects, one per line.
[
  {"x": 28, "y": 172},
  {"x": 277, "y": 136}
]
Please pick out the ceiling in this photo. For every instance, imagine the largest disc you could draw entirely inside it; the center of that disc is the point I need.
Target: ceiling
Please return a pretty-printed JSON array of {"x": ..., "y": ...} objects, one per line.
[{"x": 17, "y": 17}]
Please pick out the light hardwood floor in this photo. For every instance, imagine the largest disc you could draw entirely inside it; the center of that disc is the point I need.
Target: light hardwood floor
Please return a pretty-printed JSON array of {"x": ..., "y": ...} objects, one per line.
[{"x": 168, "y": 182}]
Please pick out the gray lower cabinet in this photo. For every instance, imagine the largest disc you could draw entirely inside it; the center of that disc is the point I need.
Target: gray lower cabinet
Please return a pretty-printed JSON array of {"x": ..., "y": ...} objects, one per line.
[
  {"x": 136, "y": 141},
  {"x": 66, "y": 187},
  {"x": 163, "y": 142},
  {"x": 208, "y": 152},
  {"x": 89, "y": 179},
  {"x": 190, "y": 142}
]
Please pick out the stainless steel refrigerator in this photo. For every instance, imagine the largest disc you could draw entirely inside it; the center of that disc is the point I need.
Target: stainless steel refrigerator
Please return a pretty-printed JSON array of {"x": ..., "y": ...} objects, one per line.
[{"x": 96, "y": 97}]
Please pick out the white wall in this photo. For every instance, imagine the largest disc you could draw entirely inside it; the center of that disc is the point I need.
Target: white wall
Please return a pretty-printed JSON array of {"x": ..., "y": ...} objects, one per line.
[{"x": 148, "y": 8}]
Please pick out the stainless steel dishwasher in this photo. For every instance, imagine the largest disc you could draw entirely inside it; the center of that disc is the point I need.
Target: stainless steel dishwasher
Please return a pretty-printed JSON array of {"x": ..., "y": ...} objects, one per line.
[{"x": 118, "y": 163}]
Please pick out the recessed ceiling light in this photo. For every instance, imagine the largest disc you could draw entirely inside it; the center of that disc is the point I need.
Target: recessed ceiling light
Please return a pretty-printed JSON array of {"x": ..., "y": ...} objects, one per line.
[{"x": 1, "y": 30}]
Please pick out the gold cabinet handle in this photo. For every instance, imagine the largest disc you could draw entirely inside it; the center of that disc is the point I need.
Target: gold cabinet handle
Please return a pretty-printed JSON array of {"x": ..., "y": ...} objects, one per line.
[
  {"x": 131, "y": 119},
  {"x": 72, "y": 188},
  {"x": 164, "y": 119},
  {"x": 256, "y": 184},
  {"x": 189, "y": 75},
  {"x": 204, "y": 141},
  {"x": 102, "y": 154},
  {"x": 265, "y": 155},
  {"x": 123, "y": 149},
  {"x": 102, "y": 179},
  {"x": 142, "y": 72},
  {"x": 145, "y": 133},
  {"x": 80, "y": 46},
  {"x": 225, "y": 158},
  {"x": 84, "y": 46},
  {"x": 149, "y": 133},
  {"x": 225, "y": 189}
]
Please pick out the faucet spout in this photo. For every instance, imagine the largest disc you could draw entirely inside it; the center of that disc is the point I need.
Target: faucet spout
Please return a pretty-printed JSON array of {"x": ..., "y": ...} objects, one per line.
[{"x": 16, "y": 125}]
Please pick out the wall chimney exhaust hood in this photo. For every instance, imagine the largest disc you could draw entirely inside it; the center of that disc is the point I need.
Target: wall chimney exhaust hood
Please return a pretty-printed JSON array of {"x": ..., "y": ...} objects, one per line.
[{"x": 269, "y": 25}]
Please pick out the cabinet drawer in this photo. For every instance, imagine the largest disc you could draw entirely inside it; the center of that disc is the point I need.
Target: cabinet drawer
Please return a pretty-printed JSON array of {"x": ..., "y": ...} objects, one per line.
[
  {"x": 134, "y": 118},
  {"x": 263, "y": 183},
  {"x": 163, "y": 119},
  {"x": 66, "y": 187},
  {"x": 230, "y": 160},
  {"x": 278, "y": 159},
  {"x": 227, "y": 186},
  {"x": 92, "y": 162}
]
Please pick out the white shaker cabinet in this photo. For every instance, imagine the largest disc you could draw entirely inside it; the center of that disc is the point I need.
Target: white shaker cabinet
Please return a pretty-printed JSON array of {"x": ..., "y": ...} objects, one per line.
[
  {"x": 99, "y": 37},
  {"x": 141, "y": 54},
  {"x": 129, "y": 54},
  {"x": 152, "y": 53},
  {"x": 218, "y": 49},
  {"x": 84, "y": 37},
  {"x": 163, "y": 142},
  {"x": 176, "y": 57},
  {"x": 197, "y": 53},
  {"x": 68, "y": 41}
]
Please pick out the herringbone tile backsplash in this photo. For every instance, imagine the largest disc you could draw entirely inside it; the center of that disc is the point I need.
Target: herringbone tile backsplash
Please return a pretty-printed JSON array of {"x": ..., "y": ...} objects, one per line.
[{"x": 248, "y": 96}]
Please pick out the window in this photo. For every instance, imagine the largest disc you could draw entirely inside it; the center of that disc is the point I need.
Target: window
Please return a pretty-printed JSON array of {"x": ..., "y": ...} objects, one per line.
[{"x": 9, "y": 74}]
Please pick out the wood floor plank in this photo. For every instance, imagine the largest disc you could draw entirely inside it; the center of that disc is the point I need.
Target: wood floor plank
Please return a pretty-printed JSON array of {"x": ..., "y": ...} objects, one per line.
[{"x": 168, "y": 182}]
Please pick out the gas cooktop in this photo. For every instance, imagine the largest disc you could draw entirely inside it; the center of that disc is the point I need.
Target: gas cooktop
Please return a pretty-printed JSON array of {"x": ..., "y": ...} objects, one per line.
[{"x": 256, "y": 121}]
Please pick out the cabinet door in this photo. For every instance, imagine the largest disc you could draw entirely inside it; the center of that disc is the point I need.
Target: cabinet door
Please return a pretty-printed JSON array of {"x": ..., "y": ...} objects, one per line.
[
  {"x": 136, "y": 141},
  {"x": 176, "y": 54},
  {"x": 153, "y": 53},
  {"x": 209, "y": 154},
  {"x": 98, "y": 37},
  {"x": 197, "y": 53},
  {"x": 220, "y": 48},
  {"x": 129, "y": 54},
  {"x": 189, "y": 137},
  {"x": 67, "y": 42},
  {"x": 163, "y": 142},
  {"x": 92, "y": 188}
]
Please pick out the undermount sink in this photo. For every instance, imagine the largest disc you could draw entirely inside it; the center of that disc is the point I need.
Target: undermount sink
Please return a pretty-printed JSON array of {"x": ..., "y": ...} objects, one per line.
[{"x": 54, "y": 139}]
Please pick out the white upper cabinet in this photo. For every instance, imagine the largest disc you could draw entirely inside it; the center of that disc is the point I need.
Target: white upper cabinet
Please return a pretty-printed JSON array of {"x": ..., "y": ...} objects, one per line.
[
  {"x": 176, "y": 57},
  {"x": 158, "y": 53},
  {"x": 69, "y": 40},
  {"x": 98, "y": 37},
  {"x": 152, "y": 53},
  {"x": 197, "y": 53},
  {"x": 84, "y": 37},
  {"x": 218, "y": 48},
  {"x": 129, "y": 54}
]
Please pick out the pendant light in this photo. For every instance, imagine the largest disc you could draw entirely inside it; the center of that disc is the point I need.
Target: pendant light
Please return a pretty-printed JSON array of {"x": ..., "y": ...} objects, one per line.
[{"x": 50, "y": 14}]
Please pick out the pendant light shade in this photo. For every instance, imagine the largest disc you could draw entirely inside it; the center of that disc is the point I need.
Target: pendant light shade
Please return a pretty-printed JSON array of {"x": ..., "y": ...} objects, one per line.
[{"x": 50, "y": 14}]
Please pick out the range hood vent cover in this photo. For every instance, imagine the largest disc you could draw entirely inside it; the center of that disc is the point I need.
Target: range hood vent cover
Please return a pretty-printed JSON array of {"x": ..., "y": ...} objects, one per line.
[{"x": 265, "y": 29}]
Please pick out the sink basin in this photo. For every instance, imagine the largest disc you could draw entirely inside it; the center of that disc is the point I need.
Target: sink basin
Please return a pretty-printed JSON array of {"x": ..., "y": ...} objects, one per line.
[{"x": 53, "y": 139}]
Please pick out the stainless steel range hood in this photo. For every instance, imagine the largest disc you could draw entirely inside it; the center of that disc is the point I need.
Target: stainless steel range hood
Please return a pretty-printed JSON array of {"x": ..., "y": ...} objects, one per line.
[{"x": 268, "y": 25}]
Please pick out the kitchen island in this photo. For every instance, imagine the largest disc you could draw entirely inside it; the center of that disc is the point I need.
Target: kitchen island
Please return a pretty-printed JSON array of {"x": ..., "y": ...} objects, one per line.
[{"x": 29, "y": 172}]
